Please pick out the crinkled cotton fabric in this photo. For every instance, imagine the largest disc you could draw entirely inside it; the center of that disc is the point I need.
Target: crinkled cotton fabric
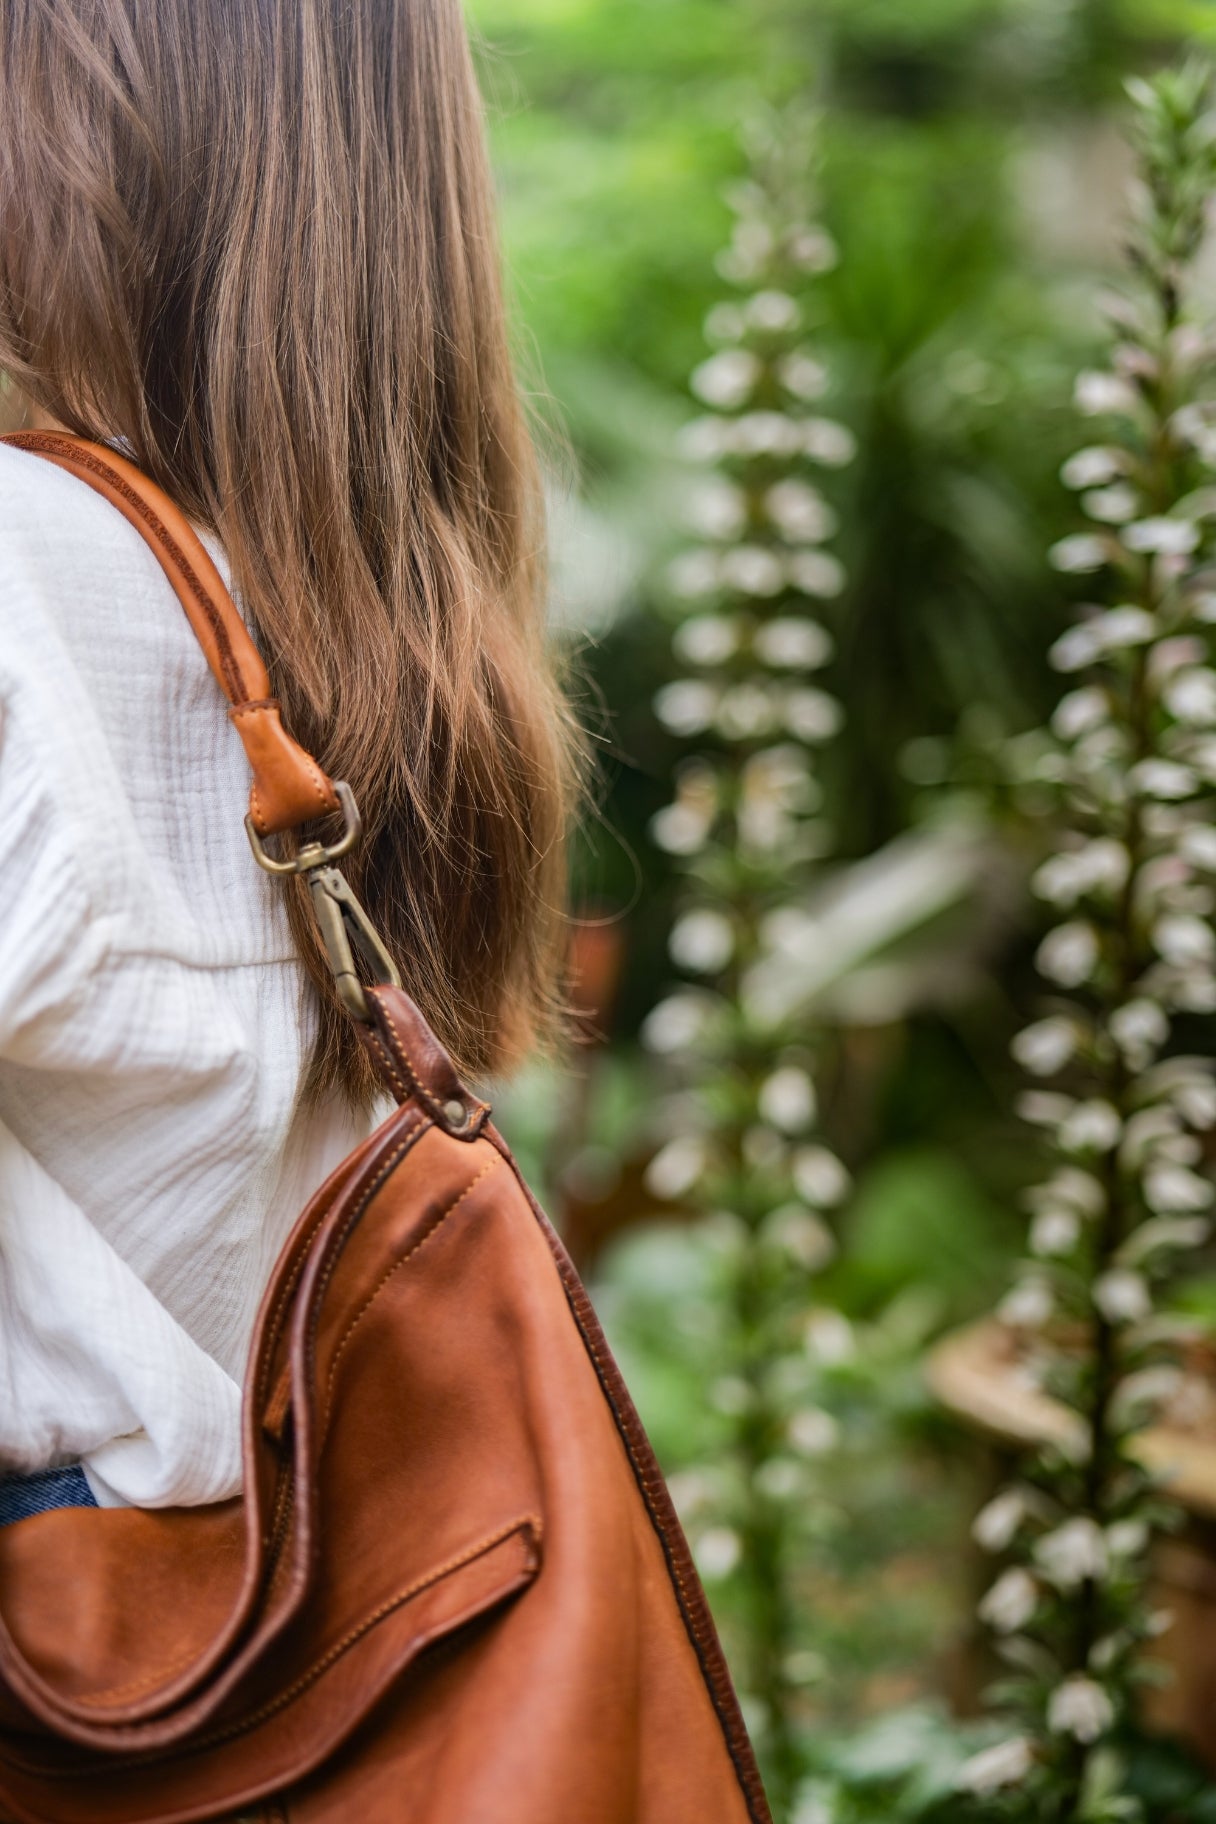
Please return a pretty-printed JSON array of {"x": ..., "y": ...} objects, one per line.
[{"x": 155, "y": 1021}]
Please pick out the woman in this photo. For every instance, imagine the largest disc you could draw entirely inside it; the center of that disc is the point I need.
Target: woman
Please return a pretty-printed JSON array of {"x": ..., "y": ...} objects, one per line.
[{"x": 252, "y": 246}]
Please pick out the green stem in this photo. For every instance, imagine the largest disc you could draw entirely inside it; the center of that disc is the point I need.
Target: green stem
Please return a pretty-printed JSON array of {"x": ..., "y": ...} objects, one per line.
[
  {"x": 762, "y": 1542},
  {"x": 1118, "y": 1215}
]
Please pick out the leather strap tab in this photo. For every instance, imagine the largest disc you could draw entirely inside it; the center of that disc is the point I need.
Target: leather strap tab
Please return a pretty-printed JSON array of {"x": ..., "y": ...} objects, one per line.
[
  {"x": 414, "y": 1065},
  {"x": 289, "y": 788}
]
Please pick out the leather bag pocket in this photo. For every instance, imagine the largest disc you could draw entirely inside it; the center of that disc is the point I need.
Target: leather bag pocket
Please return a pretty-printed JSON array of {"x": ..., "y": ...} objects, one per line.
[{"x": 275, "y": 1737}]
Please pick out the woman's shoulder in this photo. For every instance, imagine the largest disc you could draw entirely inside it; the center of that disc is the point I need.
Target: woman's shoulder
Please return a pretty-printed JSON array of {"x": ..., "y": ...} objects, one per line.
[
  {"x": 122, "y": 785},
  {"x": 92, "y": 643},
  {"x": 60, "y": 544},
  {"x": 79, "y": 588},
  {"x": 37, "y": 499}
]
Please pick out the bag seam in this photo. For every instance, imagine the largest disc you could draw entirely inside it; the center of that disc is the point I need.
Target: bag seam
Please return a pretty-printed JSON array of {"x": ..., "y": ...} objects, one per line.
[
  {"x": 274, "y": 1325},
  {"x": 402, "y": 1260},
  {"x": 478, "y": 1106},
  {"x": 528, "y": 1525},
  {"x": 690, "y": 1597},
  {"x": 351, "y": 1638}
]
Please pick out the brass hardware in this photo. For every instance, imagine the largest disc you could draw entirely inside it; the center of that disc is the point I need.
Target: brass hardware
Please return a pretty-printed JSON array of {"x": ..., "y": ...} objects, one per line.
[
  {"x": 313, "y": 854},
  {"x": 344, "y": 926}
]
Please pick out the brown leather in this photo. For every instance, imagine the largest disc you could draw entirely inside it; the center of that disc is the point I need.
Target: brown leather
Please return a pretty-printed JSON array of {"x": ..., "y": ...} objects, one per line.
[
  {"x": 289, "y": 788},
  {"x": 455, "y": 1590}
]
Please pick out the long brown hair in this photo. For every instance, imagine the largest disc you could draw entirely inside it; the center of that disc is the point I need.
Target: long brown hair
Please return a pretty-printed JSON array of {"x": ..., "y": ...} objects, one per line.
[{"x": 256, "y": 242}]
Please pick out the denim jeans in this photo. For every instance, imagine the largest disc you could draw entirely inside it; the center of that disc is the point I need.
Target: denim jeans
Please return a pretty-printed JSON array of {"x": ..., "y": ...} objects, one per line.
[{"x": 21, "y": 1496}]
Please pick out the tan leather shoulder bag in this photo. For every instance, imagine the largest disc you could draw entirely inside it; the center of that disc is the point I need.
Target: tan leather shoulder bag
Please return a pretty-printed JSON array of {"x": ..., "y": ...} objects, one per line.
[{"x": 455, "y": 1590}]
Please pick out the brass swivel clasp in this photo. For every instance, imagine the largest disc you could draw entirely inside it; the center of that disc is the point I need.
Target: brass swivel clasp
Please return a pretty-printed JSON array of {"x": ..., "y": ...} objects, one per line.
[{"x": 346, "y": 930}]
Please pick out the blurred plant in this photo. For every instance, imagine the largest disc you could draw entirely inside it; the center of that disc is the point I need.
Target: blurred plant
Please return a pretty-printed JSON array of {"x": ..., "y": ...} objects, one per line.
[
  {"x": 1131, "y": 767},
  {"x": 745, "y": 829}
]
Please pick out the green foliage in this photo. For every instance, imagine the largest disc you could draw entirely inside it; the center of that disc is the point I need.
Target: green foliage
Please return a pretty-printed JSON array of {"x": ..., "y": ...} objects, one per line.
[
  {"x": 745, "y": 829},
  {"x": 952, "y": 380},
  {"x": 968, "y": 175},
  {"x": 873, "y": 1612},
  {"x": 1130, "y": 767},
  {"x": 610, "y": 193},
  {"x": 912, "y": 1207},
  {"x": 902, "y": 1767}
]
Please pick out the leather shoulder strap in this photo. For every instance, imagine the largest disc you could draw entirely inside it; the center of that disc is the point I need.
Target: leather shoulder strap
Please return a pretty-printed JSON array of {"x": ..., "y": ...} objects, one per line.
[{"x": 289, "y": 787}]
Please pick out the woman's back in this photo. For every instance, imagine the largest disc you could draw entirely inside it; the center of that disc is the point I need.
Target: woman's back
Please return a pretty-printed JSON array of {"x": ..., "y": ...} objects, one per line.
[
  {"x": 254, "y": 247},
  {"x": 155, "y": 1019}
]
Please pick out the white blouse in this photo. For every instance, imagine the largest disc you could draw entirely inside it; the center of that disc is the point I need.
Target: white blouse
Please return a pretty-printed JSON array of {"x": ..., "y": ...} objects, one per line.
[{"x": 154, "y": 1020}]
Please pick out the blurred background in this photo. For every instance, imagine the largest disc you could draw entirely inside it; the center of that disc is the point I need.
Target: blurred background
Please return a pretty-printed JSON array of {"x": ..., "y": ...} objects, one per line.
[{"x": 967, "y": 159}]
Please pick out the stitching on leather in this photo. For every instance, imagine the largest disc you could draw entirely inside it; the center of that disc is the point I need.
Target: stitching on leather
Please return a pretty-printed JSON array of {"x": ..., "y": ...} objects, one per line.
[
  {"x": 494, "y": 1160},
  {"x": 321, "y": 784},
  {"x": 355, "y": 1216},
  {"x": 49, "y": 445},
  {"x": 690, "y": 1597},
  {"x": 338, "y": 1243},
  {"x": 412, "y": 1068},
  {"x": 275, "y": 1560},
  {"x": 319, "y": 1667},
  {"x": 324, "y": 789},
  {"x": 526, "y": 1523},
  {"x": 400, "y": 1086},
  {"x": 318, "y": 779},
  {"x": 144, "y": 1683},
  {"x": 379, "y": 1614},
  {"x": 404, "y": 1055},
  {"x": 390, "y": 1069},
  {"x": 257, "y": 706},
  {"x": 284, "y": 1513},
  {"x": 274, "y": 1323}
]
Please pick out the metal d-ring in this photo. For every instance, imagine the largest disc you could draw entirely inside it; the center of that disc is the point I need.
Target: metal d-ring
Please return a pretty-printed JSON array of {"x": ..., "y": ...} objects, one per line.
[{"x": 313, "y": 854}]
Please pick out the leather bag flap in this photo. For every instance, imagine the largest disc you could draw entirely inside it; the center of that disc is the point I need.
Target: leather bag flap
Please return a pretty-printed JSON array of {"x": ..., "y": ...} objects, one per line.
[{"x": 256, "y": 1752}]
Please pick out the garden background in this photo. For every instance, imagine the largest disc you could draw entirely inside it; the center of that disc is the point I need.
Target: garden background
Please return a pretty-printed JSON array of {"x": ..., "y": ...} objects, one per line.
[{"x": 969, "y": 159}]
